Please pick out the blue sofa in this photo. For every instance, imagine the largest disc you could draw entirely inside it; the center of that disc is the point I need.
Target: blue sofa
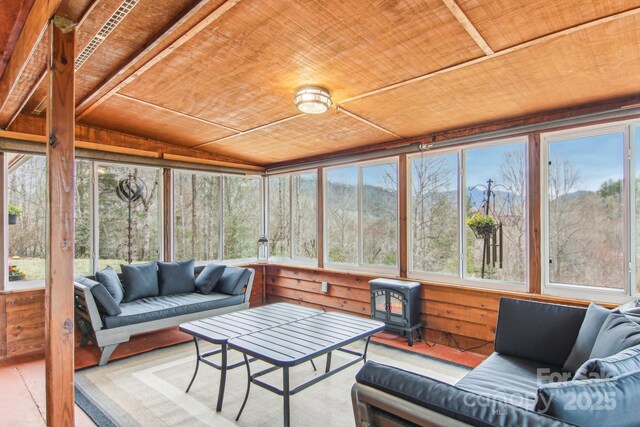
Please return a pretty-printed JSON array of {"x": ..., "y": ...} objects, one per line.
[
  {"x": 524, "y": 383},
  {"x": 152, "y": 313}
]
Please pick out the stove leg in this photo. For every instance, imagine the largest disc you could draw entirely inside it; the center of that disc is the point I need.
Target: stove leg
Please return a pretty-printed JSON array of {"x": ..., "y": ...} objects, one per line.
[{"x": 410, "y": 335}]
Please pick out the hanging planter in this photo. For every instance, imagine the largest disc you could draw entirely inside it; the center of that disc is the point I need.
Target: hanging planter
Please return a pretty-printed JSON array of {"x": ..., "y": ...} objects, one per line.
[
  {"x": 483, "y": 226},
  {"x": 14, "y": 213}
]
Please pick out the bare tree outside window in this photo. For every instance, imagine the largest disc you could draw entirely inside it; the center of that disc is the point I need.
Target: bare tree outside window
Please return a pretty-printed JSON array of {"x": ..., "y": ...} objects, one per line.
[
  {"x": 434, "y": 214},
  {"x": 304, "y": 215},
  {"x": 280, "y": 216},
  {"x": 342, "y": 214},
  {"x": 242, "y": 216},
  {"x": 586, "y": 211}
]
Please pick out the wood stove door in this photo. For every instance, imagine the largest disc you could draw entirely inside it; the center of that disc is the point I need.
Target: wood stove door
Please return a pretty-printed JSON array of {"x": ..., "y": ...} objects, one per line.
[
  {"x": 379, "y": 305},
  {"x": 397, "y": 308}
]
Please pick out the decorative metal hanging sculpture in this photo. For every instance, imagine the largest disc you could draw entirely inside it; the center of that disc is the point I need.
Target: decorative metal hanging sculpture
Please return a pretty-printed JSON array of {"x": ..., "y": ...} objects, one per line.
[{"x": 131, "y": 190}]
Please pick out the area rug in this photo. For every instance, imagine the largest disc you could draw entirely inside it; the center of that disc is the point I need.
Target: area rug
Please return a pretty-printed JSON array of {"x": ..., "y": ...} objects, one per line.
[{"x": 149, "y": 390}]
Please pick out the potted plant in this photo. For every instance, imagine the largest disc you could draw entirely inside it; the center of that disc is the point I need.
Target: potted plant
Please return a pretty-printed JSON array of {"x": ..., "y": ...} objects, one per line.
[
  {"x": 14, "y": 213},
  {"x": 15, "y": 273},
  {"x": 483, "y": 226}
]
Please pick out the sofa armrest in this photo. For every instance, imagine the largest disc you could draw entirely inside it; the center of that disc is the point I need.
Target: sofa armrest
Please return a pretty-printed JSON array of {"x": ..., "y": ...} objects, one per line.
[
  {"x": 249, "y": 286},
  {"x": 85, "y": 305},
  {"x": 537, "y": 331},
  {"x": 441, "y": 403}
]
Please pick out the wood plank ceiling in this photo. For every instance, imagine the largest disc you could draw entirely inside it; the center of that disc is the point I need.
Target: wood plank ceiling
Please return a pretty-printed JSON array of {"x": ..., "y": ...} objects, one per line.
[{"x": 219, "y": 76}]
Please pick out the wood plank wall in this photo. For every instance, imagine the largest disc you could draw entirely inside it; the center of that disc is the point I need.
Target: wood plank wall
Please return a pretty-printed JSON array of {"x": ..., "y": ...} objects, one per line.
[{"x": 466, "y": 315}]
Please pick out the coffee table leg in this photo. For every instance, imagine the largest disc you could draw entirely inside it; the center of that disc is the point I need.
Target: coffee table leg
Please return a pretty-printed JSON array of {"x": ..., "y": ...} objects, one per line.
[
  {"x": 223, "y": 377},
  {"x": 246, "y": 396},
  {"x": 286, "y": 394},
  {"x": 366, "y": 347},
  {"x": 328, "y": 367},
  {"x": 195, "y": 341}
]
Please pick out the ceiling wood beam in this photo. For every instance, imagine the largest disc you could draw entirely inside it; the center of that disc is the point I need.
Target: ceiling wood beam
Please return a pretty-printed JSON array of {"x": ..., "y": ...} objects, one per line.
[
  {"x": 115, "y": 82},
  {"x": 31, "y": 128},
  {"x": 468, "y": 26},
  {"x": 365, "y": 121},
  {"x": 257, "y": 128},
  {"x": 534, "y": 42},
  {"x": 34, "y": 29},
  {"x": 179, "y": 113}
]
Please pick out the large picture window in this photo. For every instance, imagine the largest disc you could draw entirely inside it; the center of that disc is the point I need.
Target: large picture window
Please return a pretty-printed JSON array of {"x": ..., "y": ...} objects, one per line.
[
  {"x": 587, "y": 191},
  {"x": 292, "y": 216},
  {"x": 445, "y": 243},
  {"x": 197, "y": 214},
  {"x": 362, "y": 214}
]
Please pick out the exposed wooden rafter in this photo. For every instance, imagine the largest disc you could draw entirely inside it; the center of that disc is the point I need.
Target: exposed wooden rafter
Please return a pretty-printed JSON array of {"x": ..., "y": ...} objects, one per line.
[
  {"x": 115, "y": 82},
  {"x": 468, "y": 26},
  {"x": 34, "y": 29},
  {"x": 539, "y": 40}
]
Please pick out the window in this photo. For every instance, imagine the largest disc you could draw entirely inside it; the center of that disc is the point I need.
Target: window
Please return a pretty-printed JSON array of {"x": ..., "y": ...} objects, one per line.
[
  {"x": 292, "y": 216},
  {"x": 434, "y": 214},
  {"x": 280, "y": 216},
  {"x": 242, "y": 218},
  {"x": 129, "y": 224},
  {"x": 362, "y": 214},
  {"x": 196, "y": 216},
  {"x": 494, "y": 185},
  {"x": 83, "y": 212},
  {"x": 636, "y": 184},
  {"x": 585, "y": 203}
]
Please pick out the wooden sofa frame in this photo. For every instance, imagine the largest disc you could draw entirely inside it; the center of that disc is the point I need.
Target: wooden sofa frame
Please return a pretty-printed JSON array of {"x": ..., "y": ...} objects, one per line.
[{"x": 90, "y": 322}]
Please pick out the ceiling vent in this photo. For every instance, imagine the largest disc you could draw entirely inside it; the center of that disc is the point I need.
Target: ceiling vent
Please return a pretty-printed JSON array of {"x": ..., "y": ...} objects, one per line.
[{"x": 106, "y": 29}]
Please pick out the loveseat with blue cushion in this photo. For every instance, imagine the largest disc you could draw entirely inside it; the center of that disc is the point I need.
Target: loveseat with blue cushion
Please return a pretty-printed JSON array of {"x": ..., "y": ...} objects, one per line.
[
  {"x": 553, "y": 365},
  {"x": 110, "y": 307}
]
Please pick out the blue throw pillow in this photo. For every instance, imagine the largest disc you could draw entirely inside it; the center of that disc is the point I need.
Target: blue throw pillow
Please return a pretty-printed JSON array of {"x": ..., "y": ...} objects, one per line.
[
  {"x": 176, "y": 277},
  {"x": 593, "y": 320},
  {"x": 233, "y": 280},
  {"x": 105, "y": 302},
  {"x": 209, "y": 277},
  {"x": 619, "y": 364},
  {"x": 140, "y": 281},
  {"x": 617, "y": 333},
  {"x": 610, "y": 402},
  {"x": 109, "y": 279}
]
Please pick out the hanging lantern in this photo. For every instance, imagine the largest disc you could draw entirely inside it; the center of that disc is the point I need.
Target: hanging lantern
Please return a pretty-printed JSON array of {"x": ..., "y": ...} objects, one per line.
[{"x": 263, "y": 249}]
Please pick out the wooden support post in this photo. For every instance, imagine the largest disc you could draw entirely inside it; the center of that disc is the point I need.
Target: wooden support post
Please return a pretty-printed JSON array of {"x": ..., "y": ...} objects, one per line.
[
  {"x": 534, "y": 207},
  {"x": 4, "y": 223},
  {"x": 59, "y": 336},
  {"x": 320, "y": 218},
  {"x": 167, "y": 209},
  {"x": 402, "y": 208}
]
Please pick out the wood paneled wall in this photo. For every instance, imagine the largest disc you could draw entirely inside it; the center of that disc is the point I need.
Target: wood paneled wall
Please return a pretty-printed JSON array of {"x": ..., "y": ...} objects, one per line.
[
  {"x": 466, "y": 315},
  {"x": 22, "y": 330}
]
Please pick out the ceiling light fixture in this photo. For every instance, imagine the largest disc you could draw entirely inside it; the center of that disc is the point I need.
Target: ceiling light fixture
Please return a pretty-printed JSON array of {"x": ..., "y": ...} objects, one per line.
[{"x": 312, "y": 99}]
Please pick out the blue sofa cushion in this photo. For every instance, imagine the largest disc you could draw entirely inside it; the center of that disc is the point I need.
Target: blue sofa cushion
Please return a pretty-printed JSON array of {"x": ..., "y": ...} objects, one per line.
[
  {"x": 208, "y": 278},
  {"x": 617, "y": 333},
  {"x": 140, "y": 281},
  {"x": 176, "y": 277},
  {"x": 109, "y": 279},
  {"x": 233, "y": 280},
  {"x": 537, "y": 331},
  {"x": 161, "y": 307},
  {"x": 593, "y": 320},
  {"x": 105, "y": 302},
  {"x": 624, "y": 362},
  {"x": 449, "y": 400},
  {"x": 607, "y": 402},
  {"x": 509, "y": 378}
]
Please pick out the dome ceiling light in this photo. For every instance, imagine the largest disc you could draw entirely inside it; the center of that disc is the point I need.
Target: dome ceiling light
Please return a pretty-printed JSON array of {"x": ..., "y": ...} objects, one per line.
[{"x": 312, "y": 100}]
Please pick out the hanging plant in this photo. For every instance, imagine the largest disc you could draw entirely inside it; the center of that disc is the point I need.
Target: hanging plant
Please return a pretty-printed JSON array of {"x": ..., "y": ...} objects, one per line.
[
  {"x": 483, "y": 226},
  {"x": 14, "y": 213}
]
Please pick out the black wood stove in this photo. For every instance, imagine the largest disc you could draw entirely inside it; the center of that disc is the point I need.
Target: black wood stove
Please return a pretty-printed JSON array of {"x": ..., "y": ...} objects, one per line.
[{"x": 397, "y": 304}]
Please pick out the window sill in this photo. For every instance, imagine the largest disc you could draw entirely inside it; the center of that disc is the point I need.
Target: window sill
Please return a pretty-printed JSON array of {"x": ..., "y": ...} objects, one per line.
[{"x": 24, "y": 285}]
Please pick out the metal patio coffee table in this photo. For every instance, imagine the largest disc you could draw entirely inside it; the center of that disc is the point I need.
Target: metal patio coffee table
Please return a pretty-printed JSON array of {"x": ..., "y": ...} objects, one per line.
[
  {"x": 290, "y": 344},
  {"x": 219, "y": 329}
]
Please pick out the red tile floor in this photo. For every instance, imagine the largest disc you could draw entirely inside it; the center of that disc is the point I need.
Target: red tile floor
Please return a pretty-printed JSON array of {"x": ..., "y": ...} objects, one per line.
[{"x": 22, "y": 379}]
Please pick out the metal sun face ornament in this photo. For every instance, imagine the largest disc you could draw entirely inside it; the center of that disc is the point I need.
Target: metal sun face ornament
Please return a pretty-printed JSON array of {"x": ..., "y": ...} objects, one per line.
[{"x": 312, "y": 100}]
